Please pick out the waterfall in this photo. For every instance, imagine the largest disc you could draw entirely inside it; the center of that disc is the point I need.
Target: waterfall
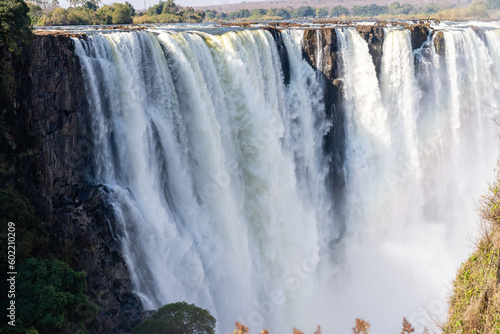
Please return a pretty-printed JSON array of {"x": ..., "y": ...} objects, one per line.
[{"x": 218, "y": 177}]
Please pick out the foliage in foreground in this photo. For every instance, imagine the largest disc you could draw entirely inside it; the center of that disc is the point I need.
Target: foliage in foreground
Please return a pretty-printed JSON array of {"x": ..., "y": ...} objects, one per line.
[
  {"x": 49, "y": 295},
  {"x": 31, "y": 237},
  {"x": 361, "y": 327},
  {"x": 50, "y": 298},
  {"x": 178, "y": 318},
  {"x": 475, "y": 303}
]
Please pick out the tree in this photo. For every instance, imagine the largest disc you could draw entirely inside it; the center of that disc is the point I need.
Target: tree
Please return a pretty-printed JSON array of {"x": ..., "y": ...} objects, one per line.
[
  {"x": 168, "y": 7},
  {"x": 258, "y": 12},
  {"x": 243, "y": 13},
  {"x": 210, "y": 14},
  {"x": 15, "y": 24},
  {"x": 304, "y": 11},
  {"x": 121, "y": 14},
  {"x": 156, "y": 9},
  {"x": 105, "y": 14},
  {"x": 283, "y": 13},
  {"x": 51, "y": 297},
  {"x": 132, "y": 9},
  {"x": 221, "y": 16},
  {"x": 31, "y": 237},
  {"x": 178, "y": 318},
  {"x": 59, "y": 17},
  {"x": 339, "y": 11},
  {"x": 90, "y": 6},
  {"x": 321, "y": 12}
]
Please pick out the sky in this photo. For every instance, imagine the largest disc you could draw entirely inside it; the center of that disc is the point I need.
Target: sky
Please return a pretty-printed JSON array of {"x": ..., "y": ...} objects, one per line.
[{"x": 139, "y": 4}]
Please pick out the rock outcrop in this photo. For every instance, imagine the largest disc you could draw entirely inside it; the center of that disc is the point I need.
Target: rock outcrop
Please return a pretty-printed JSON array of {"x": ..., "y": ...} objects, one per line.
[
  {"x": 374, "y": 36},
  {"x": 320, "y": 49},
  {"x": 46, "y": 141}
]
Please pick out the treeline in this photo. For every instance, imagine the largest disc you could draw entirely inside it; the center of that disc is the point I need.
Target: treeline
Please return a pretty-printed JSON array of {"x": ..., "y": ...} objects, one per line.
[
  {"x": 86, "y": 14},
  {"x": 90, "y": 13},
  {"x": 322, "y": 12},
  {"x": 477, "y": 8}
]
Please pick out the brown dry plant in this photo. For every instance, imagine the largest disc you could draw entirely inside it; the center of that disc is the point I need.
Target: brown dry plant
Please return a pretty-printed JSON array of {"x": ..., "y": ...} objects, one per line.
[{"x": 361, "y": 327}]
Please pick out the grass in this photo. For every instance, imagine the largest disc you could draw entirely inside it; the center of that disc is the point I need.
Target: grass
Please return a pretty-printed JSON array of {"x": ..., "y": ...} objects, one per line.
[{"x": 475, "y": 303}]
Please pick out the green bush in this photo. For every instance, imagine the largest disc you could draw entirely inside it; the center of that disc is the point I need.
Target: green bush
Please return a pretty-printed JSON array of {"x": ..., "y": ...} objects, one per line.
[
  {"x": 122, "y": 14},
  {"x": 178, "y": 318},
  {"x": 31, "y": 236},
  {"x": 339, "y": 11},
  {"x": 51, "y": 297},
  {"x": 15, "y": 24}
]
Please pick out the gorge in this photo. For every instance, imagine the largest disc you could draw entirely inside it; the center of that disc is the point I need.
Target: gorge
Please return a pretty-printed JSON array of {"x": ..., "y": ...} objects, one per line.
[{"x": 279, "y": 177}]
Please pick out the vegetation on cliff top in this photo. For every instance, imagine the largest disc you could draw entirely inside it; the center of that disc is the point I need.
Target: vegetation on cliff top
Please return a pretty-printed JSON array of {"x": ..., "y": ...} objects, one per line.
[{"x": 89, "y": 12}]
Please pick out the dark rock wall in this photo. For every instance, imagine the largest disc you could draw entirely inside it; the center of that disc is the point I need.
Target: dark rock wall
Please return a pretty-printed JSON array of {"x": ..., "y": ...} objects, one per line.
[
  {"x": 46, "y": 138},
  {"x": 374, "y": 36}
]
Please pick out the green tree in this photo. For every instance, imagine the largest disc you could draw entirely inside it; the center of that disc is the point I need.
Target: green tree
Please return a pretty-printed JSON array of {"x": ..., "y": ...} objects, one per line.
[
  {"x": 321, "y": 12},
  {"x": 122, "y": 14},
  {"x": 156, "y": 9},
  {"x": 59, "y": 17},
  {"x": 283, "y": 13},
  {"x": 243, "y": 13},
  {"x": 258, "y": 12},
  {"x": 339, "y": 11},
  {"x": 31, "y": 237},
  {"x": 178, "y": 318},
  {"x": 51, "y": 297},
  {"x": 90, "y": 6},
  {"x": 104, "y": 14},
  {"x": 132, "y": 9},
  {"x": 221, "y": 16},
  {"x": 304, "y": 11},
  {"x": 15, "y": 24},
  {"x": 210, "y": 14},
  {"x": 168, "y": 7}
]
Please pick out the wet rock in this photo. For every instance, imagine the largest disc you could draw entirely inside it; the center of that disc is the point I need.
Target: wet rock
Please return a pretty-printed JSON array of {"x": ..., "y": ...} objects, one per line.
[
  {"x": 374, "y": 36},
  {"x": 419, "y": 34},
  {"x": 439, "y": 42}
]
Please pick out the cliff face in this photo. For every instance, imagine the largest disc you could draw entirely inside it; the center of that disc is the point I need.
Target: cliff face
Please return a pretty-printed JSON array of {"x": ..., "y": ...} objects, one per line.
[{"x": 46, "y": 142}]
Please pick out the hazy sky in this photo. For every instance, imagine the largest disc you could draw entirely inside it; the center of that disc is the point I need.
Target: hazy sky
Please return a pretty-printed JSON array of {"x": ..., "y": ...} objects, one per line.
[{"x": 139, "y": 4}]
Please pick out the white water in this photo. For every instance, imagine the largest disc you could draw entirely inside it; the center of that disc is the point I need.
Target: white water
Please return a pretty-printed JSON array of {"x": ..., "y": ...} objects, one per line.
[{"x": 219, "y": 180}]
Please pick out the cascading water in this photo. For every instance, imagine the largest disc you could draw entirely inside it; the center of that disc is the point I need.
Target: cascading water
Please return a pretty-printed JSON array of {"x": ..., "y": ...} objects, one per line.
[{"x": 218, "y": 178}]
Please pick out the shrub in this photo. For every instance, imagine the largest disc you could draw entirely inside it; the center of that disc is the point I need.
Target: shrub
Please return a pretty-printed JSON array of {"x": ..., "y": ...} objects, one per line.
[
  {"x": 50, "y": 298},
  {"x": 178, "y": 318},
  {"x": 31, "y": 237}
]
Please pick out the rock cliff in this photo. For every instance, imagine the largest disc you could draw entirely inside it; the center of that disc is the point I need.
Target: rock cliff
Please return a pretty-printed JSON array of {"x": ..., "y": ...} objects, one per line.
[{"x": 46, "y": 149}]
